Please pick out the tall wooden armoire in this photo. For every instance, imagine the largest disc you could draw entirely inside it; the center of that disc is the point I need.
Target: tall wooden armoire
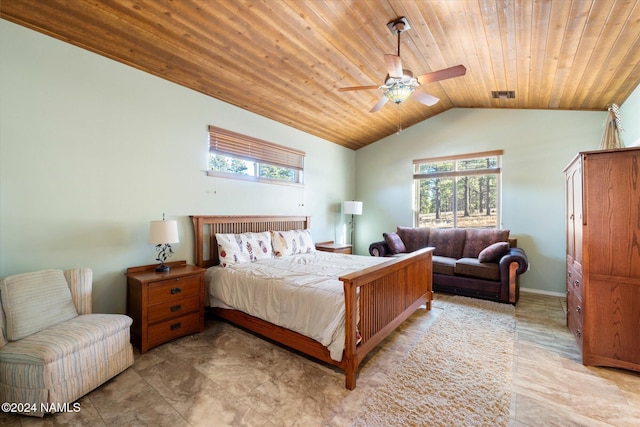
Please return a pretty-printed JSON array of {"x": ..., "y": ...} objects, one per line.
[{"x": 603, "y": 256}]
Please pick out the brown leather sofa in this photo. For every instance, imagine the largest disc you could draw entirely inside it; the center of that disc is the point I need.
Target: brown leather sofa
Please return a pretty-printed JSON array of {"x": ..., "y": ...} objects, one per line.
[{"x": 481, "y": 263}]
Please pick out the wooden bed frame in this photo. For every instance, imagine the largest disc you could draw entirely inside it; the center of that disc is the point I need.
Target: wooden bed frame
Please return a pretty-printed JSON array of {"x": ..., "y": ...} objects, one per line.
[{"x": 388, "y": 293}]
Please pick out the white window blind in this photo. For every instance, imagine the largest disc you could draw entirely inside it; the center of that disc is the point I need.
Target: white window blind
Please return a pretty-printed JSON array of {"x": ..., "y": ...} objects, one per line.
[{"x": 235, "y": 144}]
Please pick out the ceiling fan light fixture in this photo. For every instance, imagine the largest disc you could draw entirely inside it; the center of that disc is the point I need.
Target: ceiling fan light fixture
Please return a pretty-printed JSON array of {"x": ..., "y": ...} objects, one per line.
[{"x": 399, "y": 92}]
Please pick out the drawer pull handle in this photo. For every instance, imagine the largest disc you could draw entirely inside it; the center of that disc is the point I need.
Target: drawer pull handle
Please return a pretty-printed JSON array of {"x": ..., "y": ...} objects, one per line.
[
  {"x": 577, "y": 283},
  {"x": 176, "y": 308},
  {"x": 176, "y": 326},
  {"x": 569, "y": 274},
  {"x": 176, "y": 290},
  {"x": 578, "y": 333},
  {"x": 578, "y": 309}
]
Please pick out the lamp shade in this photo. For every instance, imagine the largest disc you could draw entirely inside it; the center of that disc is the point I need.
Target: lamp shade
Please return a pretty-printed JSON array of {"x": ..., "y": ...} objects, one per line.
[
  {"x": 161, "y": 232},
  {"x": 352, "y": 207}
]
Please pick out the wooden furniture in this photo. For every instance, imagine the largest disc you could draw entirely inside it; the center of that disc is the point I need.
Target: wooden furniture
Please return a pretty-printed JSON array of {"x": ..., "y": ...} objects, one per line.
[
  {"x": 164, "y": 306},
  {"x": 603, "y": 256},
  {"x": 387, "y": 294},
  {"x": 330, "y": 246}
]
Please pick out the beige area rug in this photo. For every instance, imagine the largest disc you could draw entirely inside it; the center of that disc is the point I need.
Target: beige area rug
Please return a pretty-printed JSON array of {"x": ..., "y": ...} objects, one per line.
[{"x": 458, "y": 374}]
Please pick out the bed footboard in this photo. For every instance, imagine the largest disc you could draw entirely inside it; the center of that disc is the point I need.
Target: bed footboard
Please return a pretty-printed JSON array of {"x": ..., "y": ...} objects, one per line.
[{"x": 388, "y": 294}]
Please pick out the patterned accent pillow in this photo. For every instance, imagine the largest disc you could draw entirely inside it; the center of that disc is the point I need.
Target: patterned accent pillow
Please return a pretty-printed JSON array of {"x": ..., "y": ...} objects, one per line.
[
  {"x": 245, "y": 247},
  {"x": 394, "y": 242},
  {"x": 414, "y": 238},
  {"x": 479, "y": 238},
  {"x": 292, "y": 242},
  {"x": 494, "y": 252},
  {"x": 34, "y": 301}
]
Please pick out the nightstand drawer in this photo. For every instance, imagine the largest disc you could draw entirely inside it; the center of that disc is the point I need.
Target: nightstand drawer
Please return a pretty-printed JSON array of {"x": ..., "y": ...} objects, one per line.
[
  {"x": 173, "y": 328},
  {"x": 174, "y": 289},
  {"x": 173, "y": 309}
]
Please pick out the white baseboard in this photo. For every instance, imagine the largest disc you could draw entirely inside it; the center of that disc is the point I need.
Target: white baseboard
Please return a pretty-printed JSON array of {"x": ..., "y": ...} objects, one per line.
[{"x": 538, "y": 291}]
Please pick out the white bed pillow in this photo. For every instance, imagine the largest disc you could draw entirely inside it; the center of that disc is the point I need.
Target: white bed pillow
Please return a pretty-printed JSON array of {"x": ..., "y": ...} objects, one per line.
[
  {"x": 245, "y": 247},
  {"x": 35, "y": 301},
  {"x": 292, "y": 242}
]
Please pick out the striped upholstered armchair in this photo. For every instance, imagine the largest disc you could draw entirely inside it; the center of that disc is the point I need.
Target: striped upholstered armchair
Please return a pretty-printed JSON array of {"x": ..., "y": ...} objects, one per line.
[{"x": 53, "y": 350}]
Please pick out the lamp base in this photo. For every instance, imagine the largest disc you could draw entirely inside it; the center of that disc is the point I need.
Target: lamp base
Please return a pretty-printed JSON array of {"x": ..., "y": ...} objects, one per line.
[{"x": 163, "y": 268}]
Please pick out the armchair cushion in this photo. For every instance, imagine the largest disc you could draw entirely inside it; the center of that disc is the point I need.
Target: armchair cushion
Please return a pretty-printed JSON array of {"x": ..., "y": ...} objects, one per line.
[
  {"x": 65, "y": 350},
  {"x": 35, "y": 301}
]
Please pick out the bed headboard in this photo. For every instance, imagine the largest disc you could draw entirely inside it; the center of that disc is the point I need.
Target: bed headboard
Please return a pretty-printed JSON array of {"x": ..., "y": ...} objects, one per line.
[{"x": 206, "y": 227}]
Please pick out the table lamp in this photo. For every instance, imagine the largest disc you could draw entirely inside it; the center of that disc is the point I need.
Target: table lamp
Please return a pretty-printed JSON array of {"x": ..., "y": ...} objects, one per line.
[{"x": 161, "y": 234}]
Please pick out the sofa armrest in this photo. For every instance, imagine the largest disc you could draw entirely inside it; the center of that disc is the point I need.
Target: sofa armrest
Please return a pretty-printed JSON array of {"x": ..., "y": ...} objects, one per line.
[
  {"x": 80, "y": 283},
  {"x": 514, "y": 255},
  {"x": 379, "y": 249},
  {"x": 512, "y": 265}
]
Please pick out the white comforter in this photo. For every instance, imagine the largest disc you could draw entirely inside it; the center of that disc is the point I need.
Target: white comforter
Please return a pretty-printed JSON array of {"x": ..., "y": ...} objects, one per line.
[{"x": 299, "y": 292}]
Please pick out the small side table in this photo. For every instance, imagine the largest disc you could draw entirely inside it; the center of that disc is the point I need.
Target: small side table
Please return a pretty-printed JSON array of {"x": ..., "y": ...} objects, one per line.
[
  {"x": 164, "y": 306},
  {"x": 330, "y": 246}
]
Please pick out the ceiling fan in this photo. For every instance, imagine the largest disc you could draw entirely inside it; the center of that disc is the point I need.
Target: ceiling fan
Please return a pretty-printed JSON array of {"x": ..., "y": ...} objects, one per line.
[{"x": 400, "y": 83}]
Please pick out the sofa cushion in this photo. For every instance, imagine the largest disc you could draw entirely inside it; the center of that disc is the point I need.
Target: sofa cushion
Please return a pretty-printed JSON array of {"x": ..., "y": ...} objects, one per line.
[
  {"x": 443, "y": 265},
  {"x": 474, "y": 268},
  {"x": 394, "y": 242},
  {"x": 493, "y": 253},
  {"x": 414, "y": 238},
  {"x": 447, "y": 242},
  {"x": 479, "y": 238},
  {"x": 35, "y": 301}
]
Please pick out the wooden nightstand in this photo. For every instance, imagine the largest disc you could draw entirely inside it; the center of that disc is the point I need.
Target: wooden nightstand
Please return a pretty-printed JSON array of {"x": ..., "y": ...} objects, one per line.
[
  {"x": 164, "y": 306},
  {"x": 330, "y": 246}
]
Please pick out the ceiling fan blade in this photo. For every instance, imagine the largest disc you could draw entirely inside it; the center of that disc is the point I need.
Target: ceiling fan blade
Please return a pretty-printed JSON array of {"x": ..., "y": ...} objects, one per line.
[
  {"x": 445, "y": 73},
  {"x": 344, "y": 89},
  {"x": 394, "y": 65},
  {"x": 379, "y": 105},
  {"x": 425, "y": 98}
]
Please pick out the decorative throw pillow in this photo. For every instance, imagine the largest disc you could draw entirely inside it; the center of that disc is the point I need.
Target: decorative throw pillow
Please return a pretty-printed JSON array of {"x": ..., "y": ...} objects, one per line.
[
  {"x": 34, "y": 301},
  {"x": 394, "y": 242},
  {"x": 245, "y": 247},
  {"x": 292, "y": 242},
  {"x": 494, "y": 252}
]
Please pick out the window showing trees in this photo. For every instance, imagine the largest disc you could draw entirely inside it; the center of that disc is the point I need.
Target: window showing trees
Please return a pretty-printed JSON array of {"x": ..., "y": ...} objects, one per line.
[
  {"x": 458, "y": 191},
  {"x": 239, "y": 156}
]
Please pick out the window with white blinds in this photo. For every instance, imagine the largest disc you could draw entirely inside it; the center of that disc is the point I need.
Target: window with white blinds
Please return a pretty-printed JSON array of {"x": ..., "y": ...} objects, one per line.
[{"x": 240, "y": 156}]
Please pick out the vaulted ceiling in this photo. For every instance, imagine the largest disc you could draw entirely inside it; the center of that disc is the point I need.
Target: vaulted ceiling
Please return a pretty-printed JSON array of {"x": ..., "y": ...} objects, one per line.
[{"x": 286, "y": 59}]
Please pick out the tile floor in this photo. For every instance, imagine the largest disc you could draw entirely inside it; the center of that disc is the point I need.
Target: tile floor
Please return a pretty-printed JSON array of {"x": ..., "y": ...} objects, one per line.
[{"x": 228, "y": 377}]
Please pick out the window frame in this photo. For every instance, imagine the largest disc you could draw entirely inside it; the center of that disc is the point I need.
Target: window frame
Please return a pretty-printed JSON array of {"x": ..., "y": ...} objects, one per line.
[
  {"x": 256, "y": 151},
  {"x": 456, "y": 174}
]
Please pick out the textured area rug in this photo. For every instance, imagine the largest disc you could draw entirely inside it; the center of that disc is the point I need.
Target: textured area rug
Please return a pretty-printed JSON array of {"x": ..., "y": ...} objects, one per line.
[{"x": 458, "y": 374}]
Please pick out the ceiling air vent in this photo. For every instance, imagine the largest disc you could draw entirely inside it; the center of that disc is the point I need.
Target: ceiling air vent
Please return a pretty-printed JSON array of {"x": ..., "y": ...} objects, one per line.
[{"x": 503, "y": 94}]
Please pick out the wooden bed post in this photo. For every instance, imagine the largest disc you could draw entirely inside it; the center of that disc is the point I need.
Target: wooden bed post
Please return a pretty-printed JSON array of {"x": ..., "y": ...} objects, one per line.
[{"x": 351, "y": 362}]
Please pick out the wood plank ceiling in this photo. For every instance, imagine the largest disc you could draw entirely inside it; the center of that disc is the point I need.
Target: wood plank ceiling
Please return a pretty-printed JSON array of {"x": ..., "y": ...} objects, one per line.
[{"x": 286, "y": 59}]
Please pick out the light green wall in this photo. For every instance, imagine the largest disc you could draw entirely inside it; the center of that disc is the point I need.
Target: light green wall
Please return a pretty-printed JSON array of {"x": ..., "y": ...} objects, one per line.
[
  {"x": 91, "y": 150},
  {"x": 630, "y": 118},
  {"x": 537, "y": 146}
]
